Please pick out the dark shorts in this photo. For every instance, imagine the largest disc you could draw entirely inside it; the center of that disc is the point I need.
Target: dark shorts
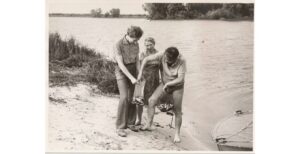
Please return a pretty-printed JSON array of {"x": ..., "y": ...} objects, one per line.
[
  {"x": 163, "y": 96},
  {"x": 171, "y": 89}
]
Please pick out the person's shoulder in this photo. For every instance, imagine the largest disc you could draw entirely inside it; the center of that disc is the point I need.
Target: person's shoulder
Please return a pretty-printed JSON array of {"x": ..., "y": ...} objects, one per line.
[
  {"x": 182, "y": 58},
  {"x": 159, "y": 54}
]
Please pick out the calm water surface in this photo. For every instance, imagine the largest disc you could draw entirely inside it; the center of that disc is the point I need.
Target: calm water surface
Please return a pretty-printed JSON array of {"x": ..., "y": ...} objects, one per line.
[{"x": 219, "y": 61}]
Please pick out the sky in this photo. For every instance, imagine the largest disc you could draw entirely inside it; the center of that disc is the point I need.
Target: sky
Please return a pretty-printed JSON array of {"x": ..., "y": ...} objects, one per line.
[
  {"x": 125, "y": 6},
  {"x": 85, "y": 6}
]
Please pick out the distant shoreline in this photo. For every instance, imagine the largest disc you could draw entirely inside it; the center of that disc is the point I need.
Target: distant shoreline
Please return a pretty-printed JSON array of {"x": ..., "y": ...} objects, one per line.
[
  {"x": 90, "y": 16},
  {"x": 145, "y": 17}
]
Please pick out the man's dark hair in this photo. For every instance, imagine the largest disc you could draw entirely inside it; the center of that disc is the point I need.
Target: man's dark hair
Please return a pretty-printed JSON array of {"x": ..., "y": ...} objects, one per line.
[
  {"x": 134, "y": 32},
  {"x": 172, "y": 53}
]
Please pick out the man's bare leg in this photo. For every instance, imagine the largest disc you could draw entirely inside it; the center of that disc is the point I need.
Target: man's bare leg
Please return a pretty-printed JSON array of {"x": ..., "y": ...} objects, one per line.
[
  {"x": 177, "y": 97},
  {"x": 153, "y": 100}
]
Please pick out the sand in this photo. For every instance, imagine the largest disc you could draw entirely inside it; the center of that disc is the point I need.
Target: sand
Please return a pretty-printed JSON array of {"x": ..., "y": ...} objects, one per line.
[{"x": 81, "y": 119}]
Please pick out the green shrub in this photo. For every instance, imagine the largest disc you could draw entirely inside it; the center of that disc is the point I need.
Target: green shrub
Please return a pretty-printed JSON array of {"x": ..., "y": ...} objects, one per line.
[
  {"x": 68, "y": 51},
  {"x": 70, "y": 63},
  {"x": 101, "y": 72},
  {"x": 57, "y": 48}
]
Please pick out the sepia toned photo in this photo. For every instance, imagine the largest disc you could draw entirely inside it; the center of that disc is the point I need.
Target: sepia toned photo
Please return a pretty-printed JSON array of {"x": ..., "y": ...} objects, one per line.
[{"x": 140, "y": 76}]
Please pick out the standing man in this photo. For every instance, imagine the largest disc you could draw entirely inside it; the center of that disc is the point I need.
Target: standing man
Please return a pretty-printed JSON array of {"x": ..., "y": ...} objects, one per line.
[
  {"x": 126, "y": 55},
  {"x": 173, "y": 69}
]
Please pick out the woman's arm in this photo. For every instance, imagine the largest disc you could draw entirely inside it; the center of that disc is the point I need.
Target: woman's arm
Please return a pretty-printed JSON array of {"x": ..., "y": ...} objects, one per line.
[{"x": 144, "y": 62}]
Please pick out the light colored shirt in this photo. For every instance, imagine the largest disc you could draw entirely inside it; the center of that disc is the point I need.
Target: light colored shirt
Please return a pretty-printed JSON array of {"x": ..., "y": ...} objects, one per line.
[{"x": 169, "y": 73}]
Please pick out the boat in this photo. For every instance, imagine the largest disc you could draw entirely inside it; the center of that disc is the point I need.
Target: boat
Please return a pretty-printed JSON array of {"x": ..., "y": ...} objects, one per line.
[{"x": 235, "y": 132}]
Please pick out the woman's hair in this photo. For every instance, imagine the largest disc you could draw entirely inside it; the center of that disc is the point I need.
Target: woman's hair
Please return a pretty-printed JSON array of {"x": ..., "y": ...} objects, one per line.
[
  {"x": 172, "y": 53},
  {"x": 134, "y": 32},
  {"x": 150, "y": 39}
]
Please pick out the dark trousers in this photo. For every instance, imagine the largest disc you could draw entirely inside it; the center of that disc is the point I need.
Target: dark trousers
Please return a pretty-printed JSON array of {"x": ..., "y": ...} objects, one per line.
[{"x": 126, "y": 110}]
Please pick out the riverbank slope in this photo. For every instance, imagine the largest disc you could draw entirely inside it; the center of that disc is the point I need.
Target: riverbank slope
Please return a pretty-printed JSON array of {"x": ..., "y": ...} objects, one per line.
[{"x": 81, "y": 119}]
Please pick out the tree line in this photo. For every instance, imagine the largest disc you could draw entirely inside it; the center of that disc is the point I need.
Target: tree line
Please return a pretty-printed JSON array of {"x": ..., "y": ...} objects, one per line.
[
  {"x": 161, "y": 11},
  {"x": 114, "y": 12},
  {"x": 158, "y": 11}
]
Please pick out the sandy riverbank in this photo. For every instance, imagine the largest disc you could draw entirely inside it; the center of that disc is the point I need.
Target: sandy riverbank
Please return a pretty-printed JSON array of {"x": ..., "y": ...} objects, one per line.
[{"x": 80, "y": 119}]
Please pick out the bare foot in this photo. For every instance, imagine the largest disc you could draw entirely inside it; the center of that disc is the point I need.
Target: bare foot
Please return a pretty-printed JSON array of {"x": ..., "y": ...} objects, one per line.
[{"x": 176, "y": 138}]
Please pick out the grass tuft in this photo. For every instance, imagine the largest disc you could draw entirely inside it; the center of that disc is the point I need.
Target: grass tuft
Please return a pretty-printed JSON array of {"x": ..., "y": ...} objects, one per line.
[{"x": 71, "y": 63}]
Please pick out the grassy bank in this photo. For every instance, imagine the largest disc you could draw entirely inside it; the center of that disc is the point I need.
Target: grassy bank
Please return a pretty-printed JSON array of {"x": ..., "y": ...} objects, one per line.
[{"x": 71, "y": 63}]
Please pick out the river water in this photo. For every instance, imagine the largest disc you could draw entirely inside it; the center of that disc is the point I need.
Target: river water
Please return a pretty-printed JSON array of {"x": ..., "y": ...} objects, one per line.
[{"x": 219, "y": 58}]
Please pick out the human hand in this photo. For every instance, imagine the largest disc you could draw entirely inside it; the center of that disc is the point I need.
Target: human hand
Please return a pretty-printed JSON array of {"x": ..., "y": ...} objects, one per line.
[
  {"x": 165, "y": 87},
  {"x": 133, "y": 80},
  {"x": 139, "y": 78}
]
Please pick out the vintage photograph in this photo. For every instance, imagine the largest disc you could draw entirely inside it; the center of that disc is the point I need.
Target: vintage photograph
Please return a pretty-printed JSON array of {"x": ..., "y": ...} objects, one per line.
[{"x": 138, "y": 75}]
